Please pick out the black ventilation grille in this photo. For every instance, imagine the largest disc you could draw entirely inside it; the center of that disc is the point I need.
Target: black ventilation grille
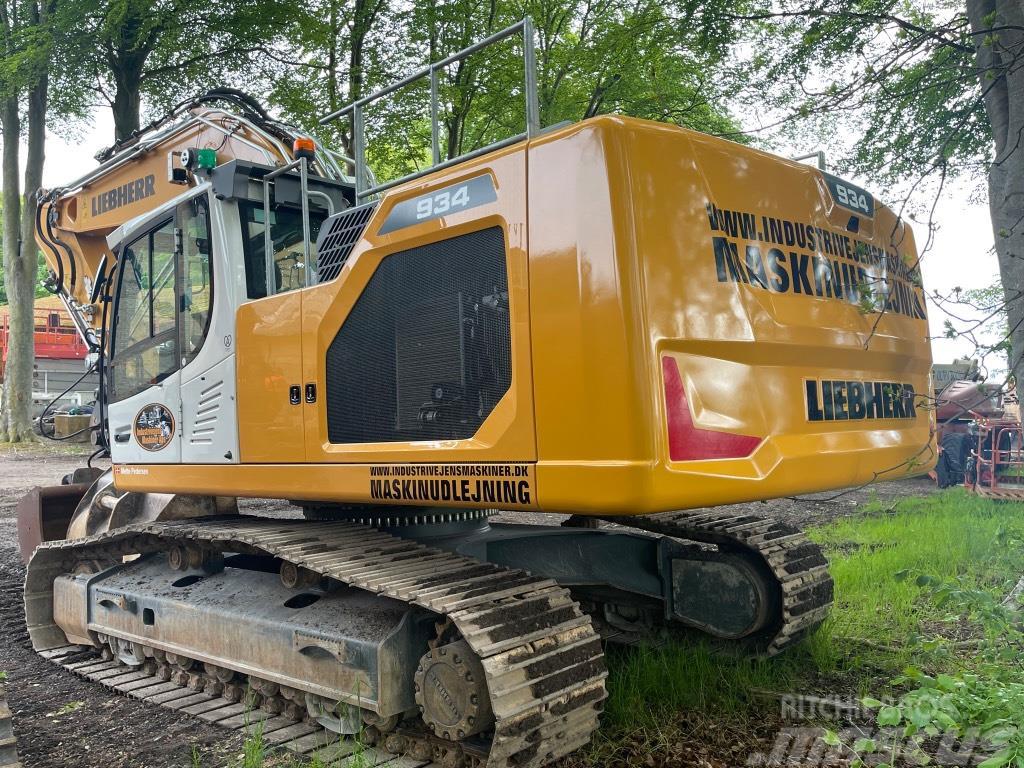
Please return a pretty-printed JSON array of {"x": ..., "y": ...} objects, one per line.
[
  {"x": 338, "y": 236},
  {"x": 425, "y": 354}
]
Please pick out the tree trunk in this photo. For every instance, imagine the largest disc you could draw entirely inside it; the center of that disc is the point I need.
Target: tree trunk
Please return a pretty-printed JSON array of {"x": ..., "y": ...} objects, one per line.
[
  {"x": 1003, "y": 82},
  {"x": 127, "y": 100},
  {"x": 21, "y": 349},
  {"x": 17, "y": 396}
]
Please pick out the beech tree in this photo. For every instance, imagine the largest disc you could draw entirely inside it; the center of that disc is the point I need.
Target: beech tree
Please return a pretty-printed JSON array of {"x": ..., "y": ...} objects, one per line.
[
  {"x": 39, "y": 87},
  {"x": 645, "y": 58},
  {"x": 167, "y": 50},
  {"x": 329, "y": 53},
  {"x": 26, "y": 46}
]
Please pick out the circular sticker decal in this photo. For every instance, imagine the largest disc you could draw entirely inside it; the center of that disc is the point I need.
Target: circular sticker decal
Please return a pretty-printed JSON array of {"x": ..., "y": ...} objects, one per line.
[{"x": 154, "y": 427}]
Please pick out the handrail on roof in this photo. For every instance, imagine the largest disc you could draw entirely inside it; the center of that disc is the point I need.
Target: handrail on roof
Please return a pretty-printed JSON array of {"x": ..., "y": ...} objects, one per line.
[{"x": 525, "y": 27}]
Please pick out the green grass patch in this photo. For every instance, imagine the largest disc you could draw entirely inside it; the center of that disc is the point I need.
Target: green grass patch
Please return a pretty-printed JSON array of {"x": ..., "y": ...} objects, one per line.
[
  {"x": 951, "y": 535},
  {"x": 647, "y": 685}
]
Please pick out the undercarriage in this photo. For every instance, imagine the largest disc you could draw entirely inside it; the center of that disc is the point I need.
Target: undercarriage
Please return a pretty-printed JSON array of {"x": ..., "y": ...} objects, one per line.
[
  {"x": 434, "y": 633},
  {"x": 8, "y": 746}
]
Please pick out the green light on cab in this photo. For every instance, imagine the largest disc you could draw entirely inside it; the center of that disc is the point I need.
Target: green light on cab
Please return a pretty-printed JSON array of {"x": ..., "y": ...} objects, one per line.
[{"x": 206, "y": 159}]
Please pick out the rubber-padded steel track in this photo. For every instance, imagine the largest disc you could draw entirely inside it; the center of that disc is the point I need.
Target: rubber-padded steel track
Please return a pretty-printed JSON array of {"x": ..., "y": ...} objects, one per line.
[
  {"x": 542, "y": 657},
  {"x": 798, "y": 564}
]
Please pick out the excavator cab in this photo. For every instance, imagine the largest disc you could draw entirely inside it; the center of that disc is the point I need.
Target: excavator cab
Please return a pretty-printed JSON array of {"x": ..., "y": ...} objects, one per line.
[
  {"x": 182, "y": 272},
  {"x": 152, "y": 254}
]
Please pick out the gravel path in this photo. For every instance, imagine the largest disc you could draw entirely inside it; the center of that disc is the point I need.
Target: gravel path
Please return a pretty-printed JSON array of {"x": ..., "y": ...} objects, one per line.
[{"x": 60, "y": 720}]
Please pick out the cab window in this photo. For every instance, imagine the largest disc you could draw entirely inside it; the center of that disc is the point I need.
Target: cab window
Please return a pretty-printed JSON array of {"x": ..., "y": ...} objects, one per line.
[
  {"x": 164, "y": 300},
  {"x": 286, "y": 231},
  {"x": 145, "y": 347},
  {"x": 196, "y": 276}
]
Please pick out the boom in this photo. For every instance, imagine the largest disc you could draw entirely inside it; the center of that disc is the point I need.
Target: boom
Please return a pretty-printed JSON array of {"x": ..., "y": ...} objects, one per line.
[{"x": 143, "y": 172}]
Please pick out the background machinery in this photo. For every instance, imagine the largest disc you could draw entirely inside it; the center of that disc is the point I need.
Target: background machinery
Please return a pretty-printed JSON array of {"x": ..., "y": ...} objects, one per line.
[
  {"x": 978, "y": 432},
  {"x": 615, "y": 320}
]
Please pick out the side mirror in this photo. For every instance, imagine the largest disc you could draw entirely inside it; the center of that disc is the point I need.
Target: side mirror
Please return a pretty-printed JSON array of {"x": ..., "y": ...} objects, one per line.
[{"x": 101, "y": 276}]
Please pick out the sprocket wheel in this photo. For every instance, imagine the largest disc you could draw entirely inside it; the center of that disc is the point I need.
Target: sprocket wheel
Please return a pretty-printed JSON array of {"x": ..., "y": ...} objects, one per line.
[{"x": 451, "y": 691}]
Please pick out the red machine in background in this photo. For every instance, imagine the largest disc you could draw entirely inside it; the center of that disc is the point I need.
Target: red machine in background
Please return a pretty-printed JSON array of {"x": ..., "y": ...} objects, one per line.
[
  {"x": 60, "y": 356},
  {"x": 55, "y": 337},
  {"x": 995, "y": 469},
  {"x": 981, "y": 445}
]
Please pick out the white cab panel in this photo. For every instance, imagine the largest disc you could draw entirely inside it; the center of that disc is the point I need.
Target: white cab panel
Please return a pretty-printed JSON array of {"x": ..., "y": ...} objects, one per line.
[
  {"x": 133, "y": 418},
  {"x": 209, "y": 416}
]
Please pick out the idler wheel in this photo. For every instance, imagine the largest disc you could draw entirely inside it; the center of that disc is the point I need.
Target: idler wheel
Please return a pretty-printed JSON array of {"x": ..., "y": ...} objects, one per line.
[{"x": 452, "y": 692}]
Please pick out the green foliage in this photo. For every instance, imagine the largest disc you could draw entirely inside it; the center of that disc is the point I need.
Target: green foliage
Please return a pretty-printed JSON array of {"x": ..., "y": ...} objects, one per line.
[
  {"x": 981, "y": 695},
  {"x": 900, "y": 77},
  {"x": 992, "y": 303},
  {"x": 163, "y": 51},
  {"x": 66, "y": 709},
  {"x": 949, "y": 535},
  {"x": 662, "y": 61},
  {"x": 254, "y": 750},
  {"x": 34, "y": 46}
]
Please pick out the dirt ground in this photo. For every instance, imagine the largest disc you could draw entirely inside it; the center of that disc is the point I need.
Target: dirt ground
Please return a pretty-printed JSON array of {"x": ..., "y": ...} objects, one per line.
[
  {"x": 60, "y": 720},
  {"x": 64, "y": 722}
]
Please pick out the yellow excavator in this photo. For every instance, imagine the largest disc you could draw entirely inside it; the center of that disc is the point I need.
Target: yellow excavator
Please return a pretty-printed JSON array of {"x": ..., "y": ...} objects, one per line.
[{"x": 614, "y": 320}]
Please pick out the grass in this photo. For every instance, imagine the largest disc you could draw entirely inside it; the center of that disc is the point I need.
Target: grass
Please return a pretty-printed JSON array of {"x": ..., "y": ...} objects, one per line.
[
  {"x": 257, "y": 753},
  {"x": 254, "y": 751},
  {"x": 866, "y": 641},
  {"x": 950, "y": 535},
  {"x": 647, "y": 685}
]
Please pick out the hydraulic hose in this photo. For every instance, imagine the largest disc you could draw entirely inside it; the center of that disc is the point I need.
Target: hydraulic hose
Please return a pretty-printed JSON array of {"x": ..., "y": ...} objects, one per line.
[
  {"x": 40, "y": 202},
  {"x": 49, "y": 407},
  {"x": 50, "y": 218}
]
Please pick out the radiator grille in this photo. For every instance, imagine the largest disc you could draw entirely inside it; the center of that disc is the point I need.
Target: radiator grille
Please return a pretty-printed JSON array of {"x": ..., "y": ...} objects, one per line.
[
  {"x": 425, "y": 353},
  {"x": 338, "y": 236}
]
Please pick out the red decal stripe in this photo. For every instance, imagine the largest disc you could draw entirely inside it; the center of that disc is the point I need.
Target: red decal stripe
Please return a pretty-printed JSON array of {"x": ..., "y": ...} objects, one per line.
[{"x": 687, "y": 442}]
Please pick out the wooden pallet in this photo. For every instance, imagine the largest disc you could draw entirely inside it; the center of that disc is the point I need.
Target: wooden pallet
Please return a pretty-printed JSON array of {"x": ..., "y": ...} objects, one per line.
[{"x": 304, "y": 739}]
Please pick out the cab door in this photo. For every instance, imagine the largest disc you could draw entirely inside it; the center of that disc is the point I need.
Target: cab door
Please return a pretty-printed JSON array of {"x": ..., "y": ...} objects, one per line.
[
  {"x": 206, "y": 327},
  {"x": 168, "y": 390},
  {"x": 269, "y": 329},
  {"x": 143, "y": 376}
]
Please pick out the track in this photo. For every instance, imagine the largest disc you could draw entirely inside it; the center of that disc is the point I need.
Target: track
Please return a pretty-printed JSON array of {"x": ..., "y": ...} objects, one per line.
[
  {"x": 541, "y": 657},
  {"x": 276, "y": 732},
  {"x": 8, "y": 747},
  {"x": 797, "y": 563}
]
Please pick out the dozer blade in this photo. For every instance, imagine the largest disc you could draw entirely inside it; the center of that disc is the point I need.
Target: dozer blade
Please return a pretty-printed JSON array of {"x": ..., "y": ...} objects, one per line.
[{"x": 44, "y": 514}]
